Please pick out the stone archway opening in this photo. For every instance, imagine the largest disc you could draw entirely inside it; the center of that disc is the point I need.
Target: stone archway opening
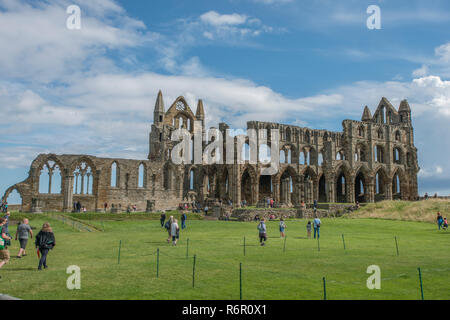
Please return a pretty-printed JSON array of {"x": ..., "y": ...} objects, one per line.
[
  {"x": 341, "y": 188},
  {"x": 396, "y": 187},
  {"x": 246, "y": 188},
  {"x": 322, "y": 189},
  {"x": 360, "y": 188},
  {"x": 286, "y": 188}
]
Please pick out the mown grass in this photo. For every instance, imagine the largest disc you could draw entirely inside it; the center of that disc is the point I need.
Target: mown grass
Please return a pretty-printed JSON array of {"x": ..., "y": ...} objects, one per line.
[
  {"x": 424, "y": 211},
  {"x": 268, "y": 272}
]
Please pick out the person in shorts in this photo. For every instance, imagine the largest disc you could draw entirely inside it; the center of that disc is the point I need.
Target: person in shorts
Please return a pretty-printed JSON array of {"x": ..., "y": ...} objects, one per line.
[
  {"x": 308, "y": 229},
  {"x": 282, "y": 228},
  {"x": 22, "y": 232},
  {"x": 262, "y": 232}
]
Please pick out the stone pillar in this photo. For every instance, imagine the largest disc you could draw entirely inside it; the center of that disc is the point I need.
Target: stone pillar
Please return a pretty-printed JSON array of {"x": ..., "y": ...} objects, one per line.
[
  {"x": 331, "y": 197},
  {"x": 388, "y": 191},
  {"x": 370, "y": 193},
  {"x": 50, "y": 174},
  {"x": 351, "y": 192},
  {"x": 68, "y": 194}
]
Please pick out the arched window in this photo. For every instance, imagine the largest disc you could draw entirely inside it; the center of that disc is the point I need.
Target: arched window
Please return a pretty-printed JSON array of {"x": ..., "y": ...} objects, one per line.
[
  {"x": 50, "y": 178},
  {"x": 83, "y": 179},
  {"x": 361, "y": 131},
  {"x": 289, "y": 154},
  {"x": 282, "y": 156},
  {"x": 302, "y": 158},
  {"x": 114, "y": 175},
  {"x": 380, "y": 133},
  {"x": 191, "y": 180},
  {"x": 264, "y": 153},
  {"x": 320, "y": 160},
  {"x": 245, "y": 152},
  {"x": 141, "y": 176},
  {"x": 398, "y": 136}
]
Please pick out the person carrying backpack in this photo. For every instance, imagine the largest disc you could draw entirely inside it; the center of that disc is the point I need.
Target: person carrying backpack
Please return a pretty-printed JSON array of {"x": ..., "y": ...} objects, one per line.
[
  {"x": 45, "y": 241},
  {"x": 162, "y": 219},
  {"x": 262, "y": 232}
]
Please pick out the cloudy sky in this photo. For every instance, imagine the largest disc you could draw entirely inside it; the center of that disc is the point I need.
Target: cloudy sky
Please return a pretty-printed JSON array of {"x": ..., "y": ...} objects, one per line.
[{"x": 308, "y": 63}]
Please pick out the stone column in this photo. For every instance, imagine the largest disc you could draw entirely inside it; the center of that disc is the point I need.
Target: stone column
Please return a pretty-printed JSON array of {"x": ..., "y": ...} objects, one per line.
[
  {"x": 350, "y": 192},
  {"x": 50, "y": 174},
  {"x": 68, "y": 194},
  {"x": 388, "y": 191}
]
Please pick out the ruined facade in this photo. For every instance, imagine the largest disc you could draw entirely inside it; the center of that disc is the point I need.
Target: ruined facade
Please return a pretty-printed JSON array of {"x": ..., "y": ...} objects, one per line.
[{"x": 370, "y": 160}]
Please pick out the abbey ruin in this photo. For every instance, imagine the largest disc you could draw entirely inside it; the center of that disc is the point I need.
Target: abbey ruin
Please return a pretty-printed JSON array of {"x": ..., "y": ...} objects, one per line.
[{"x": 370, "y": 160}]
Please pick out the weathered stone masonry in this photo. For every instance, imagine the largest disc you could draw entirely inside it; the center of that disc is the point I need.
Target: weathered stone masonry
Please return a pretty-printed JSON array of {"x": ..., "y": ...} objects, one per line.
[{"x": 370, "y": 160}]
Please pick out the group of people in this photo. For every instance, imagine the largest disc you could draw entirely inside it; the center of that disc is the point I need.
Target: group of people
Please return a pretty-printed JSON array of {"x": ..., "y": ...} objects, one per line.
[
  {"x": 44, "y": 241},
  {"x": 172, "y": 227},
  {"x": 442, "y": 222},
  {"x": 262, "y": 228},
  {"x": 269, "y": 202},
  {"x": 77, "y": 207}
]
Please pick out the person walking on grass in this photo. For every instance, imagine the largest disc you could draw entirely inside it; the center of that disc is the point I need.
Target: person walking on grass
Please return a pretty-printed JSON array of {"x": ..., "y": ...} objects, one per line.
[
  {"x": 175, "y": 232},
  {"x": 440, "y": 220},
  {"x": 308, "y": 229},
  {"x": 316, "y": 223},
  {"x": 282, "y": 228},
  {"x": 262, "y": 232},
  {"x": 45, "y": 241},
  {"x": 183, "y": 220},
  {"x": 445, "y": 226},
  {"x": 168, "y": 227},
  {"x": 22, "y": 232},
  {"x": 4, "y": 253},
  {"x": 162, "y": 219}
]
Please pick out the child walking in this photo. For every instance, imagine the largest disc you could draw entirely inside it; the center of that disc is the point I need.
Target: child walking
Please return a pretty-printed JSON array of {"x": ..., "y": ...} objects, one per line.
[
  {"x": 282, "y": 228},
  {"x": 308, "y": 229}
]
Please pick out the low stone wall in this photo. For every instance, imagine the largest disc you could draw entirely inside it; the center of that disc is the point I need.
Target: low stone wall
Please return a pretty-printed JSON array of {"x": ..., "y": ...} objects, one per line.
[
  {"x": 244, "y": 214},
  {"x": 323, "y": 211}
]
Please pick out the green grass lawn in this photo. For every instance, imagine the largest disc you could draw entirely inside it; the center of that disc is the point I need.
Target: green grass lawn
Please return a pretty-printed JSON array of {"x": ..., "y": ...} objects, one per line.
[{"x": 268, "y": 272}]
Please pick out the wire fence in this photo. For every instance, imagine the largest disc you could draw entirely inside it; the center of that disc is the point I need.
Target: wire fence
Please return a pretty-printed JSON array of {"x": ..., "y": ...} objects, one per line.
[{"x": 198, "y": 261}]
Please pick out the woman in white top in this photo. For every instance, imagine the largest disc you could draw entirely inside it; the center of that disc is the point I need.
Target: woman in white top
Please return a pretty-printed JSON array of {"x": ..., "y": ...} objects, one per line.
[{"x": 174, "y": 229}]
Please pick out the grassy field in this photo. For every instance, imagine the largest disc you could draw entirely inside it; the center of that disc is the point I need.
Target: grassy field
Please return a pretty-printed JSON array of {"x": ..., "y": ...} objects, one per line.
[{"x": 268, "y": 272}]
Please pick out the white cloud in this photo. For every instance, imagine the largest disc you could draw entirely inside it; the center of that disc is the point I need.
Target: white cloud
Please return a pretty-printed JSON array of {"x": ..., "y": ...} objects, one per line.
[
  {"x": 216, "y": 19},
  {"x": 421, "y": 72}
]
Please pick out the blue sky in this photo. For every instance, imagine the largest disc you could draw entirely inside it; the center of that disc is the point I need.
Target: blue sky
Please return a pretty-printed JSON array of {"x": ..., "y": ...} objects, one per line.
[{"x": 309, "y": 63}]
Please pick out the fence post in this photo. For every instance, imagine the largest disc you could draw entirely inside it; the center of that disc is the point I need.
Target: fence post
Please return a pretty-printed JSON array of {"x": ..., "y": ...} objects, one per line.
[
  {"x": 157, "y": 262},
  {"x": 421, "y": 285},
  {"x": 396, "y": 245},
  {"x": 324, "y": 289},
  {"x": 244, "y": 245},
  {"x": 284, "y": 246},
  {"x": 240, "y": 281},
  {"x": 343, "y": 241},
  {"x": 187, "y": 248},
  {"x": 318, "y": 244},
  {"x": 193, "y": 272},
  {"x": 118, "y": 257}
]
